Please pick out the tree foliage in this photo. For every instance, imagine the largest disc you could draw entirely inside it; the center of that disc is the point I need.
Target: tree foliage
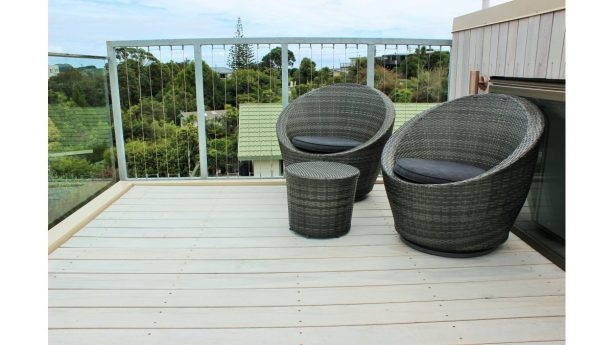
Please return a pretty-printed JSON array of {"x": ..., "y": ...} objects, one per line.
[
  {"x": 84, "y": 86},
  {"x": 273, "y": 59},
  {"x": 240, "y": 55}
]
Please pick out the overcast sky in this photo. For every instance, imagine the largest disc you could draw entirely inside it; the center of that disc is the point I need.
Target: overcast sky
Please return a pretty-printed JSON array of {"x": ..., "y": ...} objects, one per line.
[{"x": 83, "y": 26}]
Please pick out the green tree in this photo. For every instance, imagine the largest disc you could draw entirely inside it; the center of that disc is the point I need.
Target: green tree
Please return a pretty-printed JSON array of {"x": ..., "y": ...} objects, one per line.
[
  {"x": 240, "y": 55},
  {"x": 248, "y": 86},
  {"x": 357, "y": 71},
  {"x": 306, "y": 72},
  {"x": 53, "y": 136},
  {"x": 273, "y": 59},
  {"x": 401, "y": 95},
  {"x": 430, "y": 86},
  {"x": 301, "y": 89},
  {"x": 385, "y": 80},
  {"x": 78, "y": 97},
  {"x": 72, "y": 167},
  {"x": 85, "y": 86},
  {"x": 138, "y": 54},
  {"x": 173, "y": 152}
]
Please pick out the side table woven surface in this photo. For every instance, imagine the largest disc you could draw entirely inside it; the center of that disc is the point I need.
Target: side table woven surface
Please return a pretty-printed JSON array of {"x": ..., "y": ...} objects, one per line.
[{"x": 320, "y": 198}]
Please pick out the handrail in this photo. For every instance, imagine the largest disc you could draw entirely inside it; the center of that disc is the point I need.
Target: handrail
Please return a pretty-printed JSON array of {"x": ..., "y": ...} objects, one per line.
[
  {"x": 77, "y": 56},
  {"x": 281, "y": 40}
]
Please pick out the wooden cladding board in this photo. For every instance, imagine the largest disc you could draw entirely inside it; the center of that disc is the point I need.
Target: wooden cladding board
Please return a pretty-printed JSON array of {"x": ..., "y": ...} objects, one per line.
[{"x": 531, "y": 47}]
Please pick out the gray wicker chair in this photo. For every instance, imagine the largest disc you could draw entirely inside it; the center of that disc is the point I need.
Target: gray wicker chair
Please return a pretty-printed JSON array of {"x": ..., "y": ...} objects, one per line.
[
  {"x": 497, "y": 133},
  {"x": 351, "y": 111}
]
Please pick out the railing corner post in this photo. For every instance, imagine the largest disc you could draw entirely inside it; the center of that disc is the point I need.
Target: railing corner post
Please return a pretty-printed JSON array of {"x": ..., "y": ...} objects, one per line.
[
  {"x": 116, "y": 108},
  {"x": 370, "y": 66},
  {"x": 200, "y": 110}
]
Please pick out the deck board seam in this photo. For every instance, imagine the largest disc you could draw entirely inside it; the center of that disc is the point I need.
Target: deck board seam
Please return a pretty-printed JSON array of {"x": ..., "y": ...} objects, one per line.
[
  {"x": 347, "y": 325},
  {"x": 309, "y": 305}
]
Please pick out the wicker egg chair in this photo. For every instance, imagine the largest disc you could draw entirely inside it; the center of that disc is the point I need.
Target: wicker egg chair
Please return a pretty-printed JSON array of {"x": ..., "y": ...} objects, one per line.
[
  {"x": 498, "y": 134},
  {"x": 351, "y": 112}
]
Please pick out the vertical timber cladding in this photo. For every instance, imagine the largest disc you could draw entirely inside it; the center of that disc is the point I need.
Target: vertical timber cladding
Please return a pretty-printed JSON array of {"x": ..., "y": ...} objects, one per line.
[{"x": 521, "y": 38}]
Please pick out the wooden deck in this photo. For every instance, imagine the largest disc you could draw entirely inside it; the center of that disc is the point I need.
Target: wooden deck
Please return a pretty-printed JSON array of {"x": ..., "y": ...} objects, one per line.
[{"x": 217, "y": 265}]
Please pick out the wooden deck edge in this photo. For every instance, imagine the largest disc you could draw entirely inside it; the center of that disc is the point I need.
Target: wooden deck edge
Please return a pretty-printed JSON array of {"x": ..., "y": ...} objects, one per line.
[
  {"x": 221, "y": 182},
  {"x": 214, "y": 182},
  {"x": 69, "y": 226}
]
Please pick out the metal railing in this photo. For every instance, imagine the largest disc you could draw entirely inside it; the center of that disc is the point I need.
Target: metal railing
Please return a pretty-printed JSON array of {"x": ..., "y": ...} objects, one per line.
[{"x": 154, "y": 103}]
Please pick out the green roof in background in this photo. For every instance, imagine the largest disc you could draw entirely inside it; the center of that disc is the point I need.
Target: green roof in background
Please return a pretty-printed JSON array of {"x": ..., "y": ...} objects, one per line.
[
  {"x": 257, "y": 137},
  {"x": 406, "y": 111},
  {"x": 80, "y": 128}
]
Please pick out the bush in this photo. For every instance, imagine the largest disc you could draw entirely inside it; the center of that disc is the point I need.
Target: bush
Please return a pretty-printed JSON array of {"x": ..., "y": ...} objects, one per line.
[
  {"x": 401, "y": 95},
  {"x": 71, "y": 167}
]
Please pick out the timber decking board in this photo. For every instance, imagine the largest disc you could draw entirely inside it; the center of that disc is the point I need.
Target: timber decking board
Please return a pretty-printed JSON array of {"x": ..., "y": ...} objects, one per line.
[
  {"x": 399, "y": 249},
  {"x": 187, "y": 264}
]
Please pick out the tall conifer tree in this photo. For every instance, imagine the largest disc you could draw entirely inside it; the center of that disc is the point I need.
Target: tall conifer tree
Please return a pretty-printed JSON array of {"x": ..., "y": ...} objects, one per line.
[{"x": 240, "y": 55}]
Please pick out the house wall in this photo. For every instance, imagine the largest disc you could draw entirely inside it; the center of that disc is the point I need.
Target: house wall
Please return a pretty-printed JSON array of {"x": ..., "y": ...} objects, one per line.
[
  {"x": 522, "y": 38},
  {"x": 266, "y": 168}
]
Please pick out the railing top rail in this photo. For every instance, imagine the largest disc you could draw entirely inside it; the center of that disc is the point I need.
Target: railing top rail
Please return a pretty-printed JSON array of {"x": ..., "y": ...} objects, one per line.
[
  {"x": 77, "y": 56},
  {"x": 280, "y": 40}
]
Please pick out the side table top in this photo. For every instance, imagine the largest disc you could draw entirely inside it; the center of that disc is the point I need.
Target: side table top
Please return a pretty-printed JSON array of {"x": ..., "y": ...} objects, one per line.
[{"x": 322, "y": 170}]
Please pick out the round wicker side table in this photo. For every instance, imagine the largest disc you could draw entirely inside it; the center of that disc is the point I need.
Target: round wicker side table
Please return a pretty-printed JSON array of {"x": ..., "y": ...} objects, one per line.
[{"x": 320, "y": 198}]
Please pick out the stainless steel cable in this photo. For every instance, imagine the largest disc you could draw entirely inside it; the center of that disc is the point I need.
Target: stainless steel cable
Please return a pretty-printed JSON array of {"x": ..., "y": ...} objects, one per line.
[
  {"x": 406, "y": 69},
  {"x": 142, "y": 117},
  {"x": 357, "y": 73},
  {"x": 311, "y": 63},
  {"x": 127, "y": 62},
  {"x": 257, "y": 68},
  {"x": 395, "y": 93},
  {"x": 164, "y": 112},
  {"x": 225, "y": 102},
  {"x": 213, "y": 119},
  {"x": 333, "y": 45},
  {"x": 299, "y": 72},
  {"x": 174, "y": 109},
  {"x": 259, "y": 118},
  {"x": 345, "y": 61},
  {"x": 418, "y": 63},
  {"x": 189, "y": 165},
  {"x": 155, "y": 141},
  {"x": 321, "y": 63},
  {"x": 428, "y": 86}
]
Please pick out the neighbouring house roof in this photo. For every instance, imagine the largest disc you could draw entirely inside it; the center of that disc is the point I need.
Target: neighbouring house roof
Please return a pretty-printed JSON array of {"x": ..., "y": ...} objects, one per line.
[
  {"x": 222, "y": 70},
  {"x": 209, "y": 114},
  {"x": 188, "y": 113},
  {"x": 406, "y": 111},
  {"x": 257, "y": 137}
]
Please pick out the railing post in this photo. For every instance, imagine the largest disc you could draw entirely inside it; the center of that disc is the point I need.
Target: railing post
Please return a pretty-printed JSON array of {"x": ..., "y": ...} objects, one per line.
[
  {"x": 370, "y": 66},
  {"x": 116, "y": 106},
  {"x": 284, "y": 76},
  {"x": 204, "y": 171}
]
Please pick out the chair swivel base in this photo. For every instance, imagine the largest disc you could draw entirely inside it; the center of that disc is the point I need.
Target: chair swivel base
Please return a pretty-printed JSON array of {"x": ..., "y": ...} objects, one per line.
[{"x": 447, "y": 254}]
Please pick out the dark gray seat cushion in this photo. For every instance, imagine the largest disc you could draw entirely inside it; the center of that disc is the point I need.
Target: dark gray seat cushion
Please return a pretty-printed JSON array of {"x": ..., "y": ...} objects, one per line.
[
  {"x": 433, "y": 171},
  {"x": 323, "y": 144}
]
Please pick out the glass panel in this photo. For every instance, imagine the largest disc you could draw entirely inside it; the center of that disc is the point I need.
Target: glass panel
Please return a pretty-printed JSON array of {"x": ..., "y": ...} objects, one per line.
[
  {"x": 81, "y": 159},
  {"x": 546, "y": 204}
]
